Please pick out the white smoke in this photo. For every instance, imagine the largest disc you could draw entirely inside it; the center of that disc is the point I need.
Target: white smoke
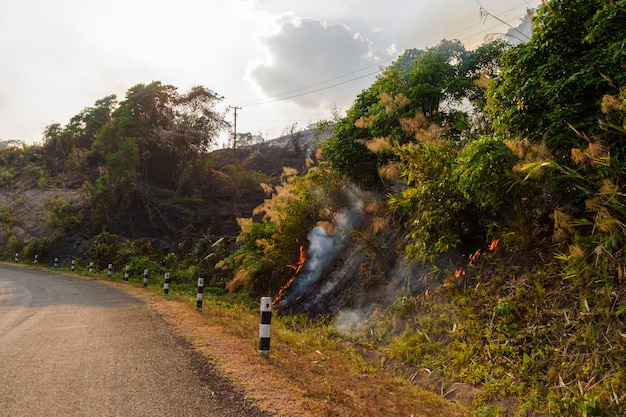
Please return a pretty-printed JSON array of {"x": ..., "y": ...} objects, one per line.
[
  {"x": 324, "y": 247},
  {"x": 348, "y": 320},
  {"x": 321, "y": 253}
]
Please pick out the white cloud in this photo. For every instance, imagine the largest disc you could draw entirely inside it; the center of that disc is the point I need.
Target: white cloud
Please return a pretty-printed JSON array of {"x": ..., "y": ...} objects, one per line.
[
  {"x": 306, "y": 52},
  {"x": 57, "y": 57}
]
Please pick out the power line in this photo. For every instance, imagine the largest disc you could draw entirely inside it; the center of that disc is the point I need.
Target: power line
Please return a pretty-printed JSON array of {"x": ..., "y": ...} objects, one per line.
[
  {"x": 305, "y": 90},
  {"x": 277, "y": 96},
  {"x": 275, "y": 99},
  {"x": 291, "y": 94}
]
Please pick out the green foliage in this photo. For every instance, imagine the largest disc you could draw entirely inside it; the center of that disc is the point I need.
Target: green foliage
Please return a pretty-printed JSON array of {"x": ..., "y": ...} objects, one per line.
[
  {"x": 6, "y": 216},
  {"x": 35, "y": 247},
  {"x": 555, "y": 346},
  {"x": 62, "y": 214},
  {"x": 559, "y": 77},
  {"x": 483, "y": 173},
  {"x": 122, "y": 164},
  {"x": 431, "y": 199},
  {"x": 453, "y": 197},
  {"x": 103, "y": 250},
  {"x": 80, "y": 132},
  {"x": 345, "y": 150},
  {"x": 201, "y": 259},
  {"x": 438, "y": 79},
  {"x": 166, "y": 128},
  {"x": 591, "y": 226}
]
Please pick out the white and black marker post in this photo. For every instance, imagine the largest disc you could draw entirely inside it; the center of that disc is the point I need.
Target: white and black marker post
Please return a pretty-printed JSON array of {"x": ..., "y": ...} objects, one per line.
[
  {"x": 264, "y": 328},
  {"x": 145, "y": 277},
  {"x": 56, "y": 262},
  {"x": 91, "y": 266},
  {"x": 36, "y": 259},
  {"x": 166, "y": 285},
  {"x": 110, "y": 269},
  {"x": 73, "y": 267},
  {"x": 126, "y": 273},
  {"x": 200, "y": 291},
  {"x": 17, "y": 257}
]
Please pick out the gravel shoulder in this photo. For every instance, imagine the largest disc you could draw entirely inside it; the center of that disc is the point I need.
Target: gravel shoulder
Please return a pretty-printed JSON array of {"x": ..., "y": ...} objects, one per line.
[
  {"x": 211, "y": 362},
  {"x": 297, "y": 380},
  {"x": 75, "y": 347}
]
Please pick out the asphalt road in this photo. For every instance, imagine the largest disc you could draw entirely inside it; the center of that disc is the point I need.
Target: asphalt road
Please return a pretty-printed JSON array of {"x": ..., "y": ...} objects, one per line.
[{"x": 72, "y": 347}]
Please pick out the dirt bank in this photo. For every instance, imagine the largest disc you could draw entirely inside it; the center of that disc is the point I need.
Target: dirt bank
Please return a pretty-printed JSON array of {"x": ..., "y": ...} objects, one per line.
[{"x": 299, "y": 378}]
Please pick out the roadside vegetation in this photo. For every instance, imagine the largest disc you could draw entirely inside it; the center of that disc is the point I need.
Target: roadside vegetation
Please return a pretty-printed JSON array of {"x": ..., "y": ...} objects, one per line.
[{"x": 506, "y": 161}]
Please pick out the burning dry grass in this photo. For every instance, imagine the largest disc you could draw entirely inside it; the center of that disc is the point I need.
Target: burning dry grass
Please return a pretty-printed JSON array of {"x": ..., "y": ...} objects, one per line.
[{"x": 296, "y": 269}]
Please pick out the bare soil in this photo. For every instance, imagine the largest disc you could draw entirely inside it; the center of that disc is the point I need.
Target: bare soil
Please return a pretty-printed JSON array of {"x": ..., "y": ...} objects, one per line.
[{"x": 296, "y": 380}]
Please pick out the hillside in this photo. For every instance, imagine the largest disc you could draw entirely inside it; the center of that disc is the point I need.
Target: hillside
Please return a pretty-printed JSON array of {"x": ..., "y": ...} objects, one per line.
[
  {"x": 55, "y": 218},
  {"x": 465, "y": 220}
]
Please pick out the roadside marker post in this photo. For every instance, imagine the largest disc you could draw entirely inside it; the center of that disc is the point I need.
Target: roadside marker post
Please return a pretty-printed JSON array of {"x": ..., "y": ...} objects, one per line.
[
  {"x": 166, "y": 284},
  {"x": 73, "y": 267},
  {"x": 145, "y": 277},
  {"x": 91, "y": 266},
  {"x": 17, "y": 256},
  {"x": 200, "y": 292},
  {"x": 36, "y": 259},
  {"x": 110, "y": 270},
  {"x": 264, "y": 327},
  {"x": 126, "y": 273},
  {"x": 56, "y": 262}
]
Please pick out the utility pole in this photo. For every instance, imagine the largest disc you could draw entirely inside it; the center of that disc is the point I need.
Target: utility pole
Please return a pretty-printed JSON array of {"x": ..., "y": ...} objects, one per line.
[{"x": 235, "y": 130}]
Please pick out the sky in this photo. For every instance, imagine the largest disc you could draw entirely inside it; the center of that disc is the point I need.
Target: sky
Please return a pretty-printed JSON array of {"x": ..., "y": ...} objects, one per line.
[{"x": 282, "y": 63}]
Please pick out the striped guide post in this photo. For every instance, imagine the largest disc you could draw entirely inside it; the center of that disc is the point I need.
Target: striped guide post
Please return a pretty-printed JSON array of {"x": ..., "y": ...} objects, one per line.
[
  {"x": 126, "y": 273},
  {"x": 166, "y": 284},
  {"x": 56, "y": 262},
  {"x": 200, "y": 291},
  {"x": 110, "y": 269},
  {"x": 264, "y": 328},
  {"x": 145, "y": 277},
  {"x": 17, "y": 257},
  {"x": 73, "y": 267},
  {"x": 36, "y": 259},
  {"x": 91, "y": 266}
]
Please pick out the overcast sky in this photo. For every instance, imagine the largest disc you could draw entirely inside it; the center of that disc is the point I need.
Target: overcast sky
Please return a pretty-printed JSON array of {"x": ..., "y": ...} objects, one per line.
[{"x": 282, "y": 61}]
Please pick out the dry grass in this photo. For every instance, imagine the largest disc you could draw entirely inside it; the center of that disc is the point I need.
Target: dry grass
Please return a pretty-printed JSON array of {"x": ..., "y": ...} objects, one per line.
[{"x": 300, "y": 378}]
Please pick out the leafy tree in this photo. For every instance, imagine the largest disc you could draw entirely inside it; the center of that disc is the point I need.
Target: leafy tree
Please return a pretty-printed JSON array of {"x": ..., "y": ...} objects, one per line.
[
  {"x": 81, "y": 131},
  {"x": 480, "y": 66},
  {"x": 430, "y": 201},
  {"x": 346, "y": 150},
  {"x": 433, "y": 81},
  {"x": 558, "y": 78},
  {"x": 169, "y": 129},
  {"x": 439, "y": 79},
  {"x": 122, "y": 164}
]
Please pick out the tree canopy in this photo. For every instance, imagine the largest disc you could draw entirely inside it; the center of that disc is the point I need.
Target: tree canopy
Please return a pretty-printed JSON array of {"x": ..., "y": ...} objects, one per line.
[
  {"x": 575, "y": 56},
  {"x": 432, "y": 83}
]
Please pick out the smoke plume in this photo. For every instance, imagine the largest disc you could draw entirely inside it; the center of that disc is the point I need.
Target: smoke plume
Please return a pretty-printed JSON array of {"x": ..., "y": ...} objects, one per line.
[{"x": 324, "y": 247}]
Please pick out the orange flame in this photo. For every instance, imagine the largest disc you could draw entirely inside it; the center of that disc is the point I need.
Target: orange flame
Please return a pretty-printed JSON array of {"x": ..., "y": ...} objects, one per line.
[
  {"x": 473, "y": 257},
  {"x": 297, "y": 267},
  {"x": 366, "y": 320}
]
